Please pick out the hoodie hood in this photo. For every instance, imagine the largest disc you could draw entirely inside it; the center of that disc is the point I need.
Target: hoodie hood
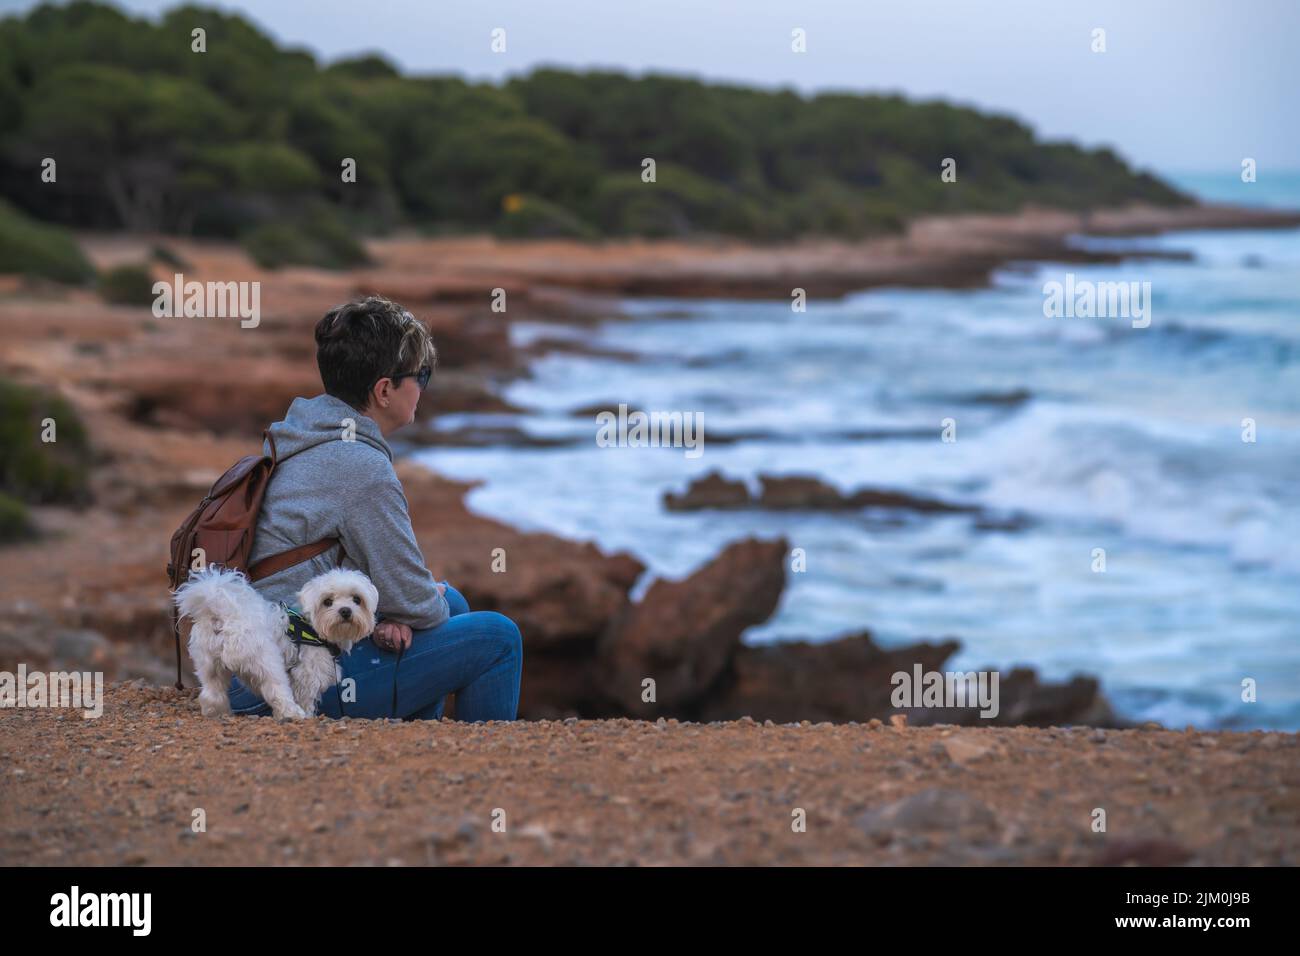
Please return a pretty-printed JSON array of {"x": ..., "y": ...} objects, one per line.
[{"x": 314, "y": 421}]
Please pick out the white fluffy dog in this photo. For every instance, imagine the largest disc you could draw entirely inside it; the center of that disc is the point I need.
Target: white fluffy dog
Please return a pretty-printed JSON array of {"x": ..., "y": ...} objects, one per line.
[{"x": 237, "y": 631}]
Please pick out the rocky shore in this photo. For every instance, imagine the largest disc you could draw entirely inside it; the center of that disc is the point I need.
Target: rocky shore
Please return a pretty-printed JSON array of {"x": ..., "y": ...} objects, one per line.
[{"x": 169, "y": 403}]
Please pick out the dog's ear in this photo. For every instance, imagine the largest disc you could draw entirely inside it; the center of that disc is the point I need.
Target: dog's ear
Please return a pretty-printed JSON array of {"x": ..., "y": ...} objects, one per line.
[
  {"x": 372, "y": 595},
  {"x": 309, "y": 595}
]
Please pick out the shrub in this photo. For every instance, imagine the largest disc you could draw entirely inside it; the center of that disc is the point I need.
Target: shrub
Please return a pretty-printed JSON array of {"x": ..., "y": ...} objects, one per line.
[
  {"x": 127, "y": 285},
  {"x": 15, "y": 522},
  {"x": 317, "y": 239},
  {"x": 267, "y": 168},
  {"x": 528, "y": 217},
  {"x": 36, "y": 471},
  {"x": 168, "y": 257},
  {"x": 35, "y": 249}
]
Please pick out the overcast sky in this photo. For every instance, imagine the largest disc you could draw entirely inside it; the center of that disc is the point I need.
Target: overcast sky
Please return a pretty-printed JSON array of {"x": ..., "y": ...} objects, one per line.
[{"x": 1184, "y": 85}]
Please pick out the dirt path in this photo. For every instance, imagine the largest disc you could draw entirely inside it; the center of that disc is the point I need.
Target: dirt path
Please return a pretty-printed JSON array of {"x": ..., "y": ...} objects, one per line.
[{"x": 123, "y": 789}]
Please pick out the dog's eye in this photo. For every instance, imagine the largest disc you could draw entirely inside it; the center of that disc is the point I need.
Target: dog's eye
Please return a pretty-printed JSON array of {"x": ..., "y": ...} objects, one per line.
[
  {"x": 328, "y": 602},
  {"x": 355, "y": 599}
]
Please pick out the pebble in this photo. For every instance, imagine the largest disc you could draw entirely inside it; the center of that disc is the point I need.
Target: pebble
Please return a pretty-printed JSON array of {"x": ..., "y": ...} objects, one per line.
[
  {"x": 963, "y": 748},
  {"x": 936, "y": 808}
]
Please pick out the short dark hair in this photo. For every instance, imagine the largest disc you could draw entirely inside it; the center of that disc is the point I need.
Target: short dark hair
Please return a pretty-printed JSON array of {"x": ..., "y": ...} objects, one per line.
[{"x": 362, "y": 341}]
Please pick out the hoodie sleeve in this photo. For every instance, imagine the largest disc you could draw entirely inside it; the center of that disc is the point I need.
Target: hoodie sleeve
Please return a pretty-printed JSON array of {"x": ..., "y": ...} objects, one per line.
[{"x": 378, "y": 537}]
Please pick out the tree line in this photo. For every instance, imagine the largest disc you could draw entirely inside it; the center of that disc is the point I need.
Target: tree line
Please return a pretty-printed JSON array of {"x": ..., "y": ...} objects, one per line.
[{"x": 248, "y": 140}]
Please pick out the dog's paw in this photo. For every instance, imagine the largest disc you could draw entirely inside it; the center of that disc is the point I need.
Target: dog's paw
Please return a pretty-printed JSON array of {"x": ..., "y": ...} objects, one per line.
[
  {"x": 290, "y": 712},
  {"x": 215, "y": 706}
]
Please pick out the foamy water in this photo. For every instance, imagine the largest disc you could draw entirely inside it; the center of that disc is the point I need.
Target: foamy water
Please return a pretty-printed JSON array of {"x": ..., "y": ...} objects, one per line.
[{"x": 1102, "y": 435}]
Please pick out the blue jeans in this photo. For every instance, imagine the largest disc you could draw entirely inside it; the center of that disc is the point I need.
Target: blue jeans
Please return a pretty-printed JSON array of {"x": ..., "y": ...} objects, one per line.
[{"x": 476, "y": 655}]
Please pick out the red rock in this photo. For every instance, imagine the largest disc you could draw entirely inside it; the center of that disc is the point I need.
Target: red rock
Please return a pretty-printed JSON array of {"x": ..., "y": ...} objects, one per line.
[
  {"x": 868, "y": 498},
  {"x": 798, "y": 492},
  {"x": 850, "y": 679},
  {"x": 838, "y": 680},
  {"x": 711, "y": 491},
  {"x": 683, "y": 634}
]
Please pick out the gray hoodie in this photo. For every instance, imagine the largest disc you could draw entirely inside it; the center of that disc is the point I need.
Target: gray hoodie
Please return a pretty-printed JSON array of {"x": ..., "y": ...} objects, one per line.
[{"x": 327, "y": 485}]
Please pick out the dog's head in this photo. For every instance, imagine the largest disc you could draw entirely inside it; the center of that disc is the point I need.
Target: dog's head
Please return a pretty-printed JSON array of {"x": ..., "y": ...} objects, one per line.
[{"x": 340, "y": 606}]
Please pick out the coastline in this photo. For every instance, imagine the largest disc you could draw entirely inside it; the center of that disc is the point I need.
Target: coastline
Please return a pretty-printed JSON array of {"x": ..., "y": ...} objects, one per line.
[
  {"x": 166, "y": 416},
  {"x": 945, "y": 251}
]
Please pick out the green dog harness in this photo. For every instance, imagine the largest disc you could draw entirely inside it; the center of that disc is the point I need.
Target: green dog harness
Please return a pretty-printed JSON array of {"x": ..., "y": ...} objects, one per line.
[{"x": 300, "y": 632}]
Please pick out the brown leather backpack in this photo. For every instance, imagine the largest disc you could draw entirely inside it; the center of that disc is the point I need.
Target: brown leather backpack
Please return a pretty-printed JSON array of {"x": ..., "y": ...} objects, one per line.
[{"x": 220, "y": 531}]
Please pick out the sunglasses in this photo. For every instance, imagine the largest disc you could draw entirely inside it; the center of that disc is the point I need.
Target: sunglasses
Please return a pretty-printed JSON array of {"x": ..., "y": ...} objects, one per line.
[{"x": 421, "y": 377}]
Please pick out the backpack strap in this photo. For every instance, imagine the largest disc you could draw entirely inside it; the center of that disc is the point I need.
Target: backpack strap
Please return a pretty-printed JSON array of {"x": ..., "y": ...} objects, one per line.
[
  {"x": 176, "y": 632},
  {"x": 287, "y": 559},
  {"x": 276, "y": 563}
]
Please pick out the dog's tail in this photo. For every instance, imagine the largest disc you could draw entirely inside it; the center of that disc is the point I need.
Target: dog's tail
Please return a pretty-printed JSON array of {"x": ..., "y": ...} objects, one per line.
[{"x": 215, "y": 594}]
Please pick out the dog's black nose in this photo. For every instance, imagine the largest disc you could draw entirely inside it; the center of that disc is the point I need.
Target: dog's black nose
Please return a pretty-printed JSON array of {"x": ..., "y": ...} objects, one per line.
[{"x": 345, "y": 613}]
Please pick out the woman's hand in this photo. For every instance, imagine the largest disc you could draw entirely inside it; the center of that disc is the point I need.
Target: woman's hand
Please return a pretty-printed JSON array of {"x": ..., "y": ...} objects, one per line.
[{"x": 392, "y": 636}]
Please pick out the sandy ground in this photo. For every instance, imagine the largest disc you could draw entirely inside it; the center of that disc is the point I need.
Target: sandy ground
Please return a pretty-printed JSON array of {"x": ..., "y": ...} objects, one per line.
[{"x": 124, "y": 789}]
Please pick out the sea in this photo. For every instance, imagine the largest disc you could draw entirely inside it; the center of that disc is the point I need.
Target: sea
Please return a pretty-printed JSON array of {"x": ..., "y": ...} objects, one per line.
[{"x": 1138, "y": 487}]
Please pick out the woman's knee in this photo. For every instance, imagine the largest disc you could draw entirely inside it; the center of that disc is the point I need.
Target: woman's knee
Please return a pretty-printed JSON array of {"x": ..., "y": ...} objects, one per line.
[{"x": 504, "y": 630}]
